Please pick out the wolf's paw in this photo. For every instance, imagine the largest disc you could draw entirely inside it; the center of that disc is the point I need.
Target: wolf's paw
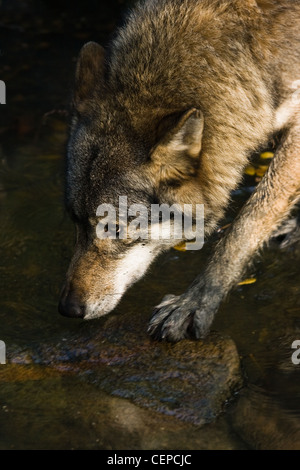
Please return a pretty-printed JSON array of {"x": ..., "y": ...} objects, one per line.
[{"x": 179, "y": 317}]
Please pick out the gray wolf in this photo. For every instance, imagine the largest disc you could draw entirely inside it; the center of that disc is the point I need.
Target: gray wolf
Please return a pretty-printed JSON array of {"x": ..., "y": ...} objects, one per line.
[{"x": 170, "y": 112}]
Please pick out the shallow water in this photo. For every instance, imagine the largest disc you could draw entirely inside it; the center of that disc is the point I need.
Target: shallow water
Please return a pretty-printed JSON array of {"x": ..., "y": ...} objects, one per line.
[{"x": 65, "y": 408}]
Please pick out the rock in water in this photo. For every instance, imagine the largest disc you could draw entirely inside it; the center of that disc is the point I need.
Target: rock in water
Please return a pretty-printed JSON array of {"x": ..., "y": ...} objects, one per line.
[{"x": 189, "y": 380}]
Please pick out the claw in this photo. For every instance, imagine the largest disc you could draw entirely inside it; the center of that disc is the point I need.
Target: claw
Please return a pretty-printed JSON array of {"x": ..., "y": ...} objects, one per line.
[
  {"x": 167, "y": 300},
  {"x": 171, "y": 319},
  {"x": 187, "y": 316},
  {"x": 175, "y": 319}
]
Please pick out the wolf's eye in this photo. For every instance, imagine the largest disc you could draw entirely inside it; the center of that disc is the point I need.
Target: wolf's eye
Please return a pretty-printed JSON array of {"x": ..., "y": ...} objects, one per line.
[{"x": 117, "y": 230}]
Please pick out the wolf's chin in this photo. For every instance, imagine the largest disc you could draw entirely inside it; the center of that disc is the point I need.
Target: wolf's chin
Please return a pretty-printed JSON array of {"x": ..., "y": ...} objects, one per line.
[{"x": 102, "y": 308}]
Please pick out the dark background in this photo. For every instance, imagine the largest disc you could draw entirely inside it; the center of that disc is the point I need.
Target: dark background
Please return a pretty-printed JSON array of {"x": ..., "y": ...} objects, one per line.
[{"x": 39, "y": 42}]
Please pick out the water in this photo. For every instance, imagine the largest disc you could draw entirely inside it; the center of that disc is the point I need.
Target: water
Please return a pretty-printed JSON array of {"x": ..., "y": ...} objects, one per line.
[{"x": 66, "y": 406}]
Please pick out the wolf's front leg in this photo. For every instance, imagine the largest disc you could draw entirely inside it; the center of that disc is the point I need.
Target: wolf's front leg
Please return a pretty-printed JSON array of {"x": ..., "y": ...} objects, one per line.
[{"x": 191, "y": 314}]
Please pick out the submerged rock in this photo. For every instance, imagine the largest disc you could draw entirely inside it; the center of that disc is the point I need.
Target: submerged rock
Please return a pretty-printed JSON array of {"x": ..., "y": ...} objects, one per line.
[{"x": 189, "y": 380}]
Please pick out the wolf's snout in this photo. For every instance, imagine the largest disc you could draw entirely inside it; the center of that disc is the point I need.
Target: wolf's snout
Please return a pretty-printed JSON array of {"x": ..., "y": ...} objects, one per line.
[{"x": 70, "y": 305}]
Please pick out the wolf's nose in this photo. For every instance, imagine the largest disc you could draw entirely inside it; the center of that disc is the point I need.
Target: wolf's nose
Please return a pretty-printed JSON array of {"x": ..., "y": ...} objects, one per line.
[{"x": 69, "y": 304}]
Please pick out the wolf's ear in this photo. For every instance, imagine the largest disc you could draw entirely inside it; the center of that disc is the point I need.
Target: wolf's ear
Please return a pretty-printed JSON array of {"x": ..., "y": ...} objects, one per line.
[
  {"x": 177, "y": 154},
  {"x": 89, "y": 73}
]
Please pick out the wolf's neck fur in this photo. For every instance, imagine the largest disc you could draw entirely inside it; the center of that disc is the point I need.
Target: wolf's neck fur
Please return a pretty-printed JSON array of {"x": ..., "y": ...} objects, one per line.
[{"x": 173, "y": 55}]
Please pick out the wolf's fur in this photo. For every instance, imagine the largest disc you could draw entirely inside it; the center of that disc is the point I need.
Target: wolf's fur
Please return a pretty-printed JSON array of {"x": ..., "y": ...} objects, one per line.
[{"x": 170, "y": 113}]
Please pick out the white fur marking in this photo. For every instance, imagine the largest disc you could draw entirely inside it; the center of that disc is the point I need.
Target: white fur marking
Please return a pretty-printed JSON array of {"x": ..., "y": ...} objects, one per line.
[{"x": 131, "y": 267}]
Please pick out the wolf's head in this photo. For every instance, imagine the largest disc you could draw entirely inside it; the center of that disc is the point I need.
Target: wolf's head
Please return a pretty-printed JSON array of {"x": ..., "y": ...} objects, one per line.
[{"x": 121, "y": 149}]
